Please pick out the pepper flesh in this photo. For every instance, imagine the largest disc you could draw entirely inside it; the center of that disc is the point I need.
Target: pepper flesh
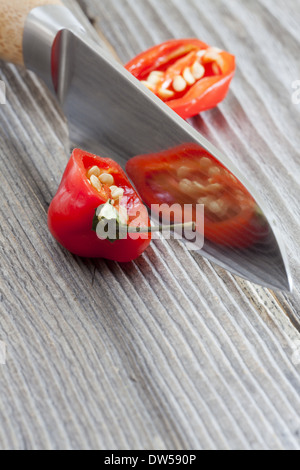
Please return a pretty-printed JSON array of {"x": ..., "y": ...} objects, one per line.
[
  {"x": 175, "y": 58},
  {"x": 72, "y": 210}
]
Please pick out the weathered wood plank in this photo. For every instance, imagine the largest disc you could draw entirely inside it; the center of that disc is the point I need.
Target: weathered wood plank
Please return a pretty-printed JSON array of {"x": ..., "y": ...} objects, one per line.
[{"x": 170, "y": 351}]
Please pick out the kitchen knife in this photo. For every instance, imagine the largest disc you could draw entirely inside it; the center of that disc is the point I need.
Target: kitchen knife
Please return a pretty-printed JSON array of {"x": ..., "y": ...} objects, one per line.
[{"x": 111, "y": 114}]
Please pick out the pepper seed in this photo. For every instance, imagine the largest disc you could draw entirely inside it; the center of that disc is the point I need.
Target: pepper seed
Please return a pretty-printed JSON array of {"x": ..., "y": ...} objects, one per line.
[
  {"x": 95, "y": 170},
  {"x": 188, "y": 77},
  {"x": 95, "y": 183},
  {"x": 107, "y": 179},
  {"x": 179, "y": 83}
]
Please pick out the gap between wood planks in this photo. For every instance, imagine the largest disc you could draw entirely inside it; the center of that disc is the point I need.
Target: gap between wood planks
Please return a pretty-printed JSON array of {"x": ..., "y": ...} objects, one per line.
[{"x": 93, "y": 21}]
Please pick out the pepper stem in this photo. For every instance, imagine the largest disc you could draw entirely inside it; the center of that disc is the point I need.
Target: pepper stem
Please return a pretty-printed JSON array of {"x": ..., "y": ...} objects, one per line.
[{"x": 161, "y": 228}]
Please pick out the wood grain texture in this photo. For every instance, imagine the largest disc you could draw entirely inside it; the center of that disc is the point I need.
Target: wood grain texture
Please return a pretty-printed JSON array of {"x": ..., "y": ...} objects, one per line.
[{"x": 170, "y": 351}]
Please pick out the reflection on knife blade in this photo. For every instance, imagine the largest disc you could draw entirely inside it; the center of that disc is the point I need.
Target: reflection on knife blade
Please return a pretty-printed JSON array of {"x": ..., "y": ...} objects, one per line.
[{"x": 189, "y": 175}]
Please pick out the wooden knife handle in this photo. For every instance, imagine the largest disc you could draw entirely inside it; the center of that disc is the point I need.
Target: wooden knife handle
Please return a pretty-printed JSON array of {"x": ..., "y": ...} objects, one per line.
[{"x": 13, "y": 14}]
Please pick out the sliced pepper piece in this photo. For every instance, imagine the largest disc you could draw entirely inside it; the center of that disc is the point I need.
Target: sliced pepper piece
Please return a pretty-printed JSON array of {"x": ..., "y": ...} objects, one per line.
[
  {"x": 189, "y": 175},
  {"x": 187, "y": 74},
  {"x": 90, "y": 182}
]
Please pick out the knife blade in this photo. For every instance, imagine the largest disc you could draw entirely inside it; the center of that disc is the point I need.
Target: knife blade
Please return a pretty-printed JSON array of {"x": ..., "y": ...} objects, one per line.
[{"x": 111, "y": 114}]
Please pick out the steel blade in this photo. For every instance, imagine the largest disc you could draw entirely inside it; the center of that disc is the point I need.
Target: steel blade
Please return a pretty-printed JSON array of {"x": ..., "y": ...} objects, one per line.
[{"x": 111, "y": 114}]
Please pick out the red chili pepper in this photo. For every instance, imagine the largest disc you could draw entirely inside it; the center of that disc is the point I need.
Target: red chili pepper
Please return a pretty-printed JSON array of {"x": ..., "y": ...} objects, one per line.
[
  {"x": 187, "y": 74},
  {"x": 188, "y": 174},
  {"x": 90, "y": 183}
]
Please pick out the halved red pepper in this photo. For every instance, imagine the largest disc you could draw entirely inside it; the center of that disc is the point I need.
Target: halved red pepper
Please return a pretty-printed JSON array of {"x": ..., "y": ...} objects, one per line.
[
  {"x": 187, "y": 74},
  {"x": 188, "y": 174},
  {"x": 91, "y": 182}
]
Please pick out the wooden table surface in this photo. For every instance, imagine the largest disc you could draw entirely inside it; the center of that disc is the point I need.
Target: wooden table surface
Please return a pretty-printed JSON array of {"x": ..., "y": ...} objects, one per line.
[{"x": 170, "y": 351}]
